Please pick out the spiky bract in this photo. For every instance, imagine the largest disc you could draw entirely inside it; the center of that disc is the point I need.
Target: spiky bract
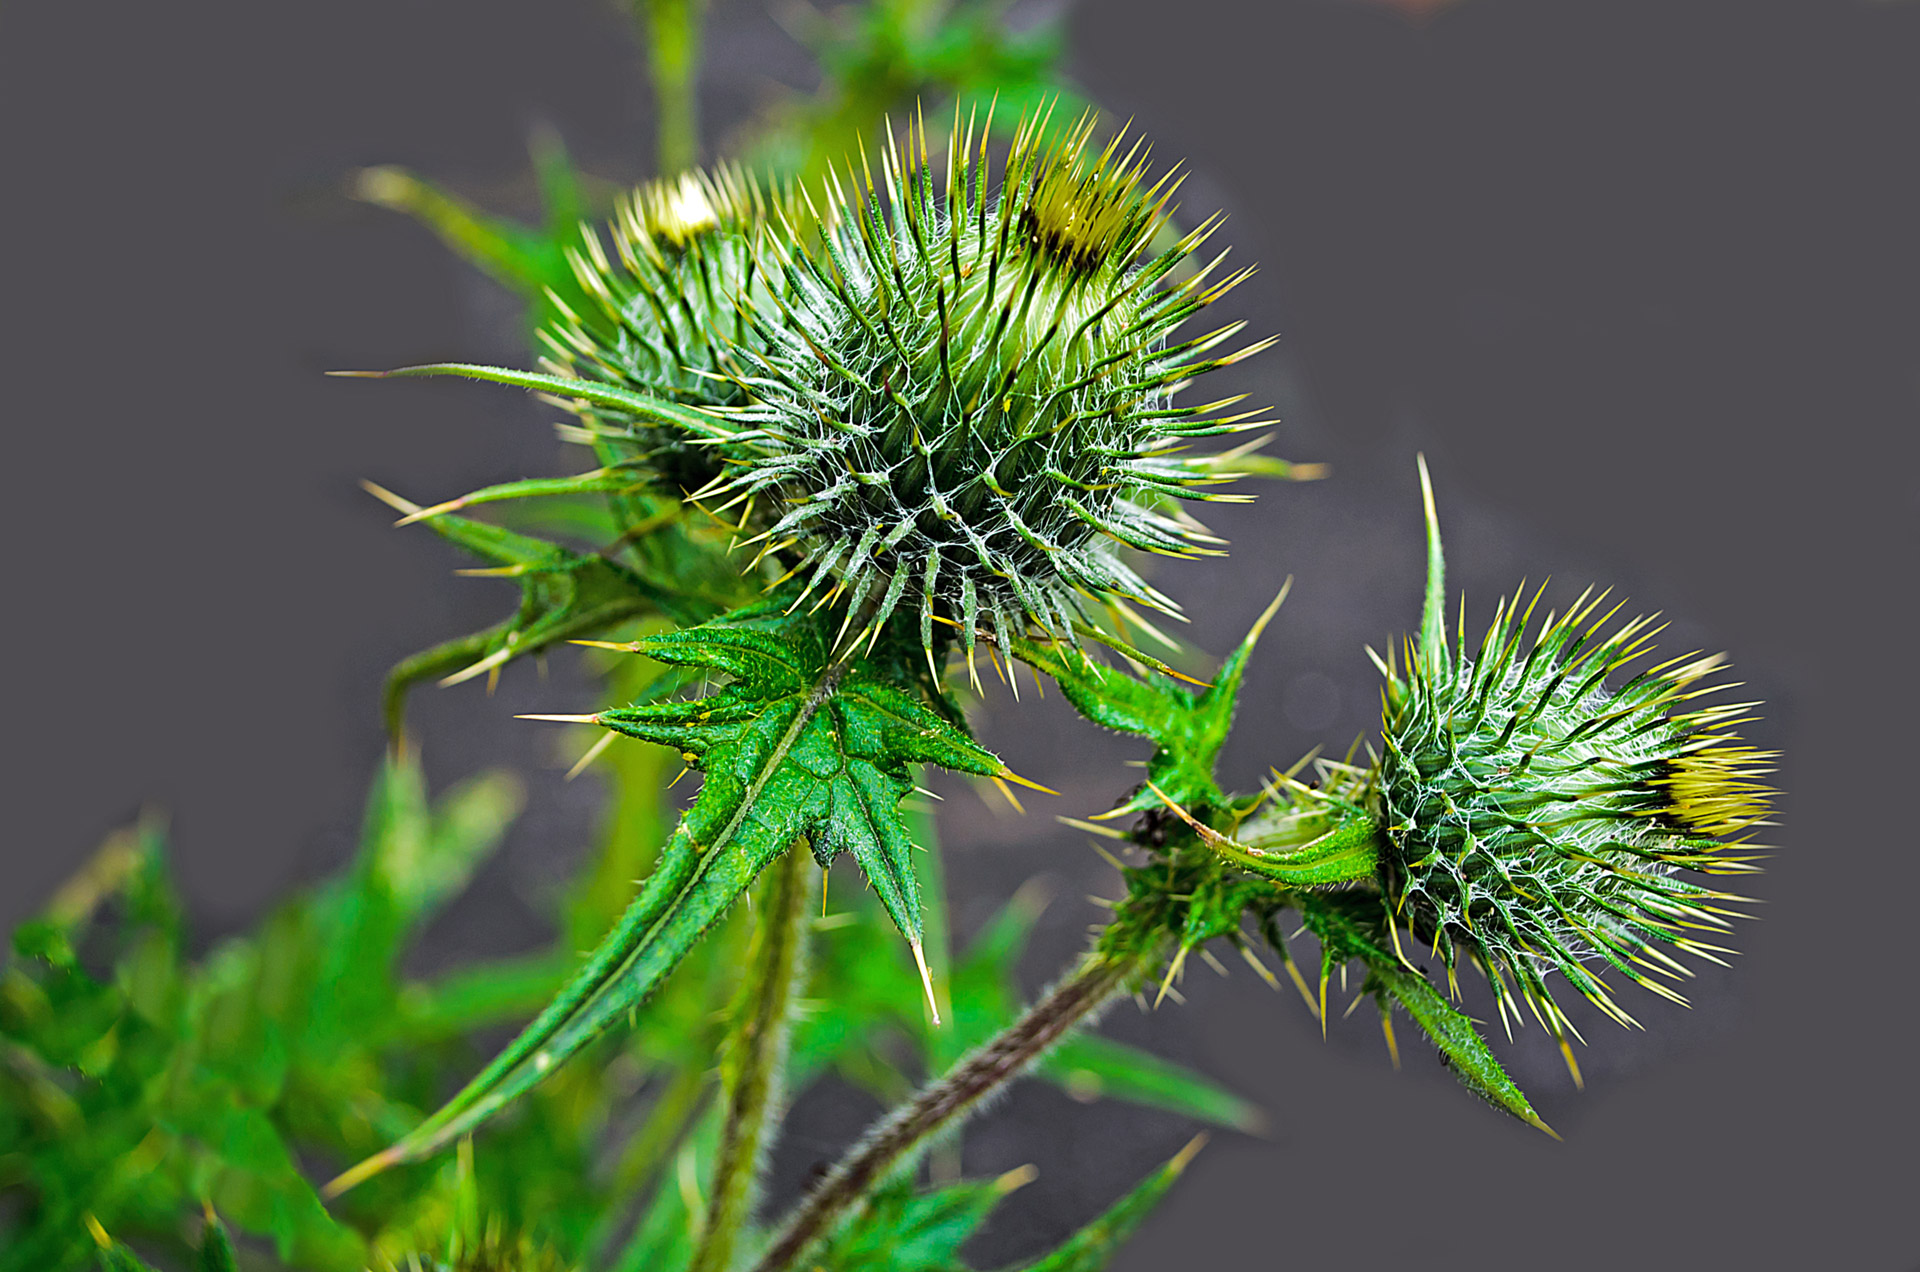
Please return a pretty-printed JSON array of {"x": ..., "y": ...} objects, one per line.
[
  {"x": 670, "y": 308},
  {"x": 1536, "y": 817},
  {"x": 962, "y": 404}
]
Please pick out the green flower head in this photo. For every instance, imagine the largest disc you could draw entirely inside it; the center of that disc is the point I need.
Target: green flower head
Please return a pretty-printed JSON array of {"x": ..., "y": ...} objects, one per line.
[
  {"x": 1536, "y": 819},
  {"x": 960, "y": 403}
]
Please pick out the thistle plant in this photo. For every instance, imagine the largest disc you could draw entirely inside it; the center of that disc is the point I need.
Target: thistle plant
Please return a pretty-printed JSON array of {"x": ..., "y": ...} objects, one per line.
[{"x": 847, "y": 435}]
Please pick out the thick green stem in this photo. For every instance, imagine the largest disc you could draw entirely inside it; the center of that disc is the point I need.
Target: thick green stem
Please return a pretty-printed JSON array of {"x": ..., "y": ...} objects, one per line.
[
  {"x": 756, "y": 1054},
  {"x": 673, "y": 54},
  {"x": 896, "y": 1139}
]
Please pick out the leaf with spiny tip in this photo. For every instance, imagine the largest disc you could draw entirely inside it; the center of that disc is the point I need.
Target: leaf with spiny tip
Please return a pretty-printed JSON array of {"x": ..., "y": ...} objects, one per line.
[
  {"x": 613, "y": 479},
  {"x": 115, "y": 1256},
  {"x": 216, "y": 1247},
  {"x": 563, "y": 595},
  {"x": 1348, "y": 928},
  {"x": 796, "y": 746},
  {"x": 1188, "y": 729},
  {"x": 1092, "y": 1247},
  {"x": 696, "y": 423},
  {"x": 848, "y": 732}
]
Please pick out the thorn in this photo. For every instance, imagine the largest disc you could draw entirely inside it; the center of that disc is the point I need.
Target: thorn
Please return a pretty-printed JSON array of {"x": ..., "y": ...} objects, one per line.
[
  {"x": 593, "y": 753},
  {"x": 100, "y": 1236},
  {"x": 1173, "y": 970},
  {"x": 1012, "y": 776},
  {"x": 1006, "y": 793},
  {"x": 360, "y": 1174},
  {"x": 358, "y": 375},
  {"x": 1187, "y": 1154},
  {"x": 451, "y": 505},
  {"x": 1573, "y": 1067},
  {"x": 1106, "y": 832},
  {"x": 926, "y": 979},
  {"x": 387, "y": 497},
  {"x": 1253, "y": 960},
  {"x": 1018, "y": 1177},
  {"x": 562, "y": 719}
]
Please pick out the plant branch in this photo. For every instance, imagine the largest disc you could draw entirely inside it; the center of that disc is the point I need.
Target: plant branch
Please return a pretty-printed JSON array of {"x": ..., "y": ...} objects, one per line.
[
  {"x": 673, "y": 55},
  {"x": 1072, "y": 1002},
  {"x": 756, "y": 1054}
]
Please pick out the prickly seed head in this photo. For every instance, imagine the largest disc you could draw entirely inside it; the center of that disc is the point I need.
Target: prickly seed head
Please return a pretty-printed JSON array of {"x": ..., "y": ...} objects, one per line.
[
  {"x": 1536, "y": 817},
  {"x": 960, "y": 405}
]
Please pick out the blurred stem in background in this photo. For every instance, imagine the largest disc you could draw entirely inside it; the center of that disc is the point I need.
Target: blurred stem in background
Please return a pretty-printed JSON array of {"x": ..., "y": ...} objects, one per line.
[{"x": 672, "y": 29}]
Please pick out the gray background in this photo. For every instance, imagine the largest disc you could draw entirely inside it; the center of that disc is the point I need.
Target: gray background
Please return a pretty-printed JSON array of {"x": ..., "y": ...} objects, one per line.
[{"x": 1639, "y": 279}]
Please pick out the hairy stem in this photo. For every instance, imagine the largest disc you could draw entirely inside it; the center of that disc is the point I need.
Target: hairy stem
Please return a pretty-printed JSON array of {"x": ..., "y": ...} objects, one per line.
[
  {"x": 757, "y": 1053},
  {"x": 1072, "y": 1002}
]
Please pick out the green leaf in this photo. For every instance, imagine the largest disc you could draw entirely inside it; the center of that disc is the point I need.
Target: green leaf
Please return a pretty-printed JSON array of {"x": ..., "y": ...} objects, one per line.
[
  {"x": 801, "y": 745},
  {"x": 903, "y": 1230},
  {"x": 1089, "y": 1066},
  {"x": 1352, "y": 927},
  {"x": 528, "y": 261},
  {"x": 653, "y": 410},
  {"x": 564, "y": 595},
  {"x": 663, "y": 1239},
  {"x": 518, "y": 257},
  {"x": 413, "y": 858},
  {"x": 798, "y": 745},
  {"x": 1089, "y": 1249},
  {"x": 115, "y": 1256},
  {"x": 216, "y": 1247},
  {"x": 1188, "y": 729}
]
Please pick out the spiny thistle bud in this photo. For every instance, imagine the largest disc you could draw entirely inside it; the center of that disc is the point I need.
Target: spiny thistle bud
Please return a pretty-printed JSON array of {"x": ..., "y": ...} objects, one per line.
[
  {"x": 670, "y": 308},
  {"x": 1535, "y": 817},
  {"x": 962, "y": 401}
]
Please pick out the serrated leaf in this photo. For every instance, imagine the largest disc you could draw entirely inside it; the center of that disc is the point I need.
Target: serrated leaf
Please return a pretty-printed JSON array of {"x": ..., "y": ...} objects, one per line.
[
  {"x": 1090, "y": 1249},
  {"x": 809, "y": 746},
  {"x": 797, "y": 746},
  {"x": 1187, "y": 728}
]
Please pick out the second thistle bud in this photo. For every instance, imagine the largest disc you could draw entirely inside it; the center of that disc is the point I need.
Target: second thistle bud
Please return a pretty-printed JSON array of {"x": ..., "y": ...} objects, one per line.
[{"x": 1537, "y": 819}]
